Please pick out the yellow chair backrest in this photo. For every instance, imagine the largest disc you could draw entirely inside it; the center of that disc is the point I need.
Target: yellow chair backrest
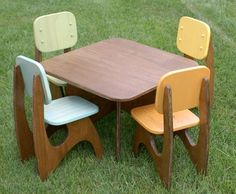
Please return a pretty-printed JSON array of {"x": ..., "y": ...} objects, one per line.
[
  {"x": 193, "y": 37},
  {"x": 55, "y": 31},
  {"x": 185, "y": 86}
]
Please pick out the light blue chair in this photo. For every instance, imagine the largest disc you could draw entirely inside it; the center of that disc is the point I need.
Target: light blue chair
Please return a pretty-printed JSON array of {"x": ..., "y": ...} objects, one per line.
[{"x": 72, "y": 111}]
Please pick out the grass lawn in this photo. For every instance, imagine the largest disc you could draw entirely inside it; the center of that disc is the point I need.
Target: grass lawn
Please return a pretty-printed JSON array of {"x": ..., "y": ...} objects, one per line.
[{"x": 152, "y": 22}]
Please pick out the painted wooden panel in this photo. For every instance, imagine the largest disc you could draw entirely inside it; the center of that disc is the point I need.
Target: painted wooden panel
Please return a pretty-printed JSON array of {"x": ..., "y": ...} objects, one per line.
[
  {"x": 152, "y": 121},
  {"x": 55, "y": 31},
  {"x": 56, "y": 81},
  {"x": 29, "y": 68},
  {"x": 185, "y": 86},
  {"x": 68, "y": 109},
  {"x": 193, "y": 37},
  {"x": 115, "y": 69}
]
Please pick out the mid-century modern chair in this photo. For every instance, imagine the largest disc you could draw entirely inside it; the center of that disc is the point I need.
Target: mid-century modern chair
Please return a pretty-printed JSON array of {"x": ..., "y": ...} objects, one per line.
[
  {"x": 72, "y": 111},
  {"x": 54, "y": 32},
  {"x": 177, "y": 92},
  {"x": 195, "y": 41}
]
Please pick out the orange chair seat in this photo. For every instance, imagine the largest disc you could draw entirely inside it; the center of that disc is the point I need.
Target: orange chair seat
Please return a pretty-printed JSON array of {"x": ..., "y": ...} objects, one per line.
[{"x": 148, "y": 117}]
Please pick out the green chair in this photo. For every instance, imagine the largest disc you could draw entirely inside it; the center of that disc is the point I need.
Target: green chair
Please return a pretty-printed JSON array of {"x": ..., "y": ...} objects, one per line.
[{"x": 54, "y": 32}]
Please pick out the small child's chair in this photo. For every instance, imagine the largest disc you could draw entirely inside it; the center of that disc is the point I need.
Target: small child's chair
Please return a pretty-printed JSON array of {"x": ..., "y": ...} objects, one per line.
[
  {"x": 52, "y": 32},
  {"x": 194, "y": 39},
  {"x": 177, "y": 92},
  {"x": 72, "y": 111}
]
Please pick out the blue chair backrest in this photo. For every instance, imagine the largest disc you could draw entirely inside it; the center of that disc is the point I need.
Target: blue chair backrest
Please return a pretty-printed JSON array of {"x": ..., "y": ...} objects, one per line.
[{"x": 29, "y": 68}]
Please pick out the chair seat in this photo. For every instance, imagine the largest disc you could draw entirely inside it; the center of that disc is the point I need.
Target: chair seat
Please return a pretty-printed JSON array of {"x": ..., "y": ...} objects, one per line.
[
  {"x": 56, "y": 81},
  {"x": 152, "y": 121},
  {"x": 68, "y": 109}
]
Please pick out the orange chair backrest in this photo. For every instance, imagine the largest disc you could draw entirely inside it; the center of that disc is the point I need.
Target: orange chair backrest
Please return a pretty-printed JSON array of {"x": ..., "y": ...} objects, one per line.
[
  {"x": 193, "y": 37},
  {"x": 185, "y": 86}
]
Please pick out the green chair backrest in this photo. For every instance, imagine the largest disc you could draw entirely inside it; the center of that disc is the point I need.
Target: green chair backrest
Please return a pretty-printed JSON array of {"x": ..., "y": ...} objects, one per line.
[{"x": 55, "y": 31}]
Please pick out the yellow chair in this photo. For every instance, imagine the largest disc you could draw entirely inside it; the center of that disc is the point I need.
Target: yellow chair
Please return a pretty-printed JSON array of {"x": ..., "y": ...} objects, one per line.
[
  {"x": 177, "y": 92},
  {"x": 52, "y": 32},
  {"x": 195, "y": 41}
]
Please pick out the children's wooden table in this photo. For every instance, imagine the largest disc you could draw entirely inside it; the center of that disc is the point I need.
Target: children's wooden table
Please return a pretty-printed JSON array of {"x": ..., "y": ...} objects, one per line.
[{"x": 115, "y": 74}]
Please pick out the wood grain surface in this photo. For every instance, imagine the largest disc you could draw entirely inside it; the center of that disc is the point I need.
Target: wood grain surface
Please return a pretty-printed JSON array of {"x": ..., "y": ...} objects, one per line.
[{"x": 116, "y": 69}]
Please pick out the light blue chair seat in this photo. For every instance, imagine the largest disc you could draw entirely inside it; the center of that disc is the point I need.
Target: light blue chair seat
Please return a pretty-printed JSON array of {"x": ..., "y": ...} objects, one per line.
[{"x": 68, "y": 109}]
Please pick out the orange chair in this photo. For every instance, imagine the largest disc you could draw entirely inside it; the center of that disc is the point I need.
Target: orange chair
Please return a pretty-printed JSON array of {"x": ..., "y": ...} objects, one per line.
[
  {"x": 195, "y": 41},
  {"x": 177, "y": 92}
]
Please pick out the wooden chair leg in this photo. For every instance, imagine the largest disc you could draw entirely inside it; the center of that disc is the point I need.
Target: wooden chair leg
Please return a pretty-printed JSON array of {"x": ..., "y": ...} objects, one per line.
[
  {"x": 163, "y": 161},
  {"x": 50, "y": 129},
  {"x": 210, "y": 64},
  {"x": 84, "y": 130},
  {"x": 48, "y": 156},
  {"x": 199, "y": 152},
  {"x": 141, "y": 136},
  {"x": 23, "y": 134}
]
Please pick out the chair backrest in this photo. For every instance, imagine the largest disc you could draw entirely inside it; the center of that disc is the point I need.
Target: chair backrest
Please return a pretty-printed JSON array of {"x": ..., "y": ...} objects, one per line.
[
  {"x": 185, "y": 86},
  {"x": 55, "y": 31},
  {"x": 193, "y": 37},
  {"x": 29, "y": 68}
]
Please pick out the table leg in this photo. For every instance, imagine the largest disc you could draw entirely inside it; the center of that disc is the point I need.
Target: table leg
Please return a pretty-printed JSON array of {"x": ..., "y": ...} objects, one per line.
[{"x": 118, "y": 112}]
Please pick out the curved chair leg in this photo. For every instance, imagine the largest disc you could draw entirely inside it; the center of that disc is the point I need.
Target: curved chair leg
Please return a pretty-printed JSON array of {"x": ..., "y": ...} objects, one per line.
[
  {"x": 163, "y": 161},
  {"x": 199, "y": 152},
  {"x": 210, "y": 64},
  {"x": 84, "y": 130},
  {"x": 137, "y": 141},
  {"x": 143, "y": 137},
  {"x": 48, "y": 156},
  {"x": 50, "y": 129},
  {"x": 23, "y": 134}
]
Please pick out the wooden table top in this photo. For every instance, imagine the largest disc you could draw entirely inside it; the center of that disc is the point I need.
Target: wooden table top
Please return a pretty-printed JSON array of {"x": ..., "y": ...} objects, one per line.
[{"x": 115, "y": 69}]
